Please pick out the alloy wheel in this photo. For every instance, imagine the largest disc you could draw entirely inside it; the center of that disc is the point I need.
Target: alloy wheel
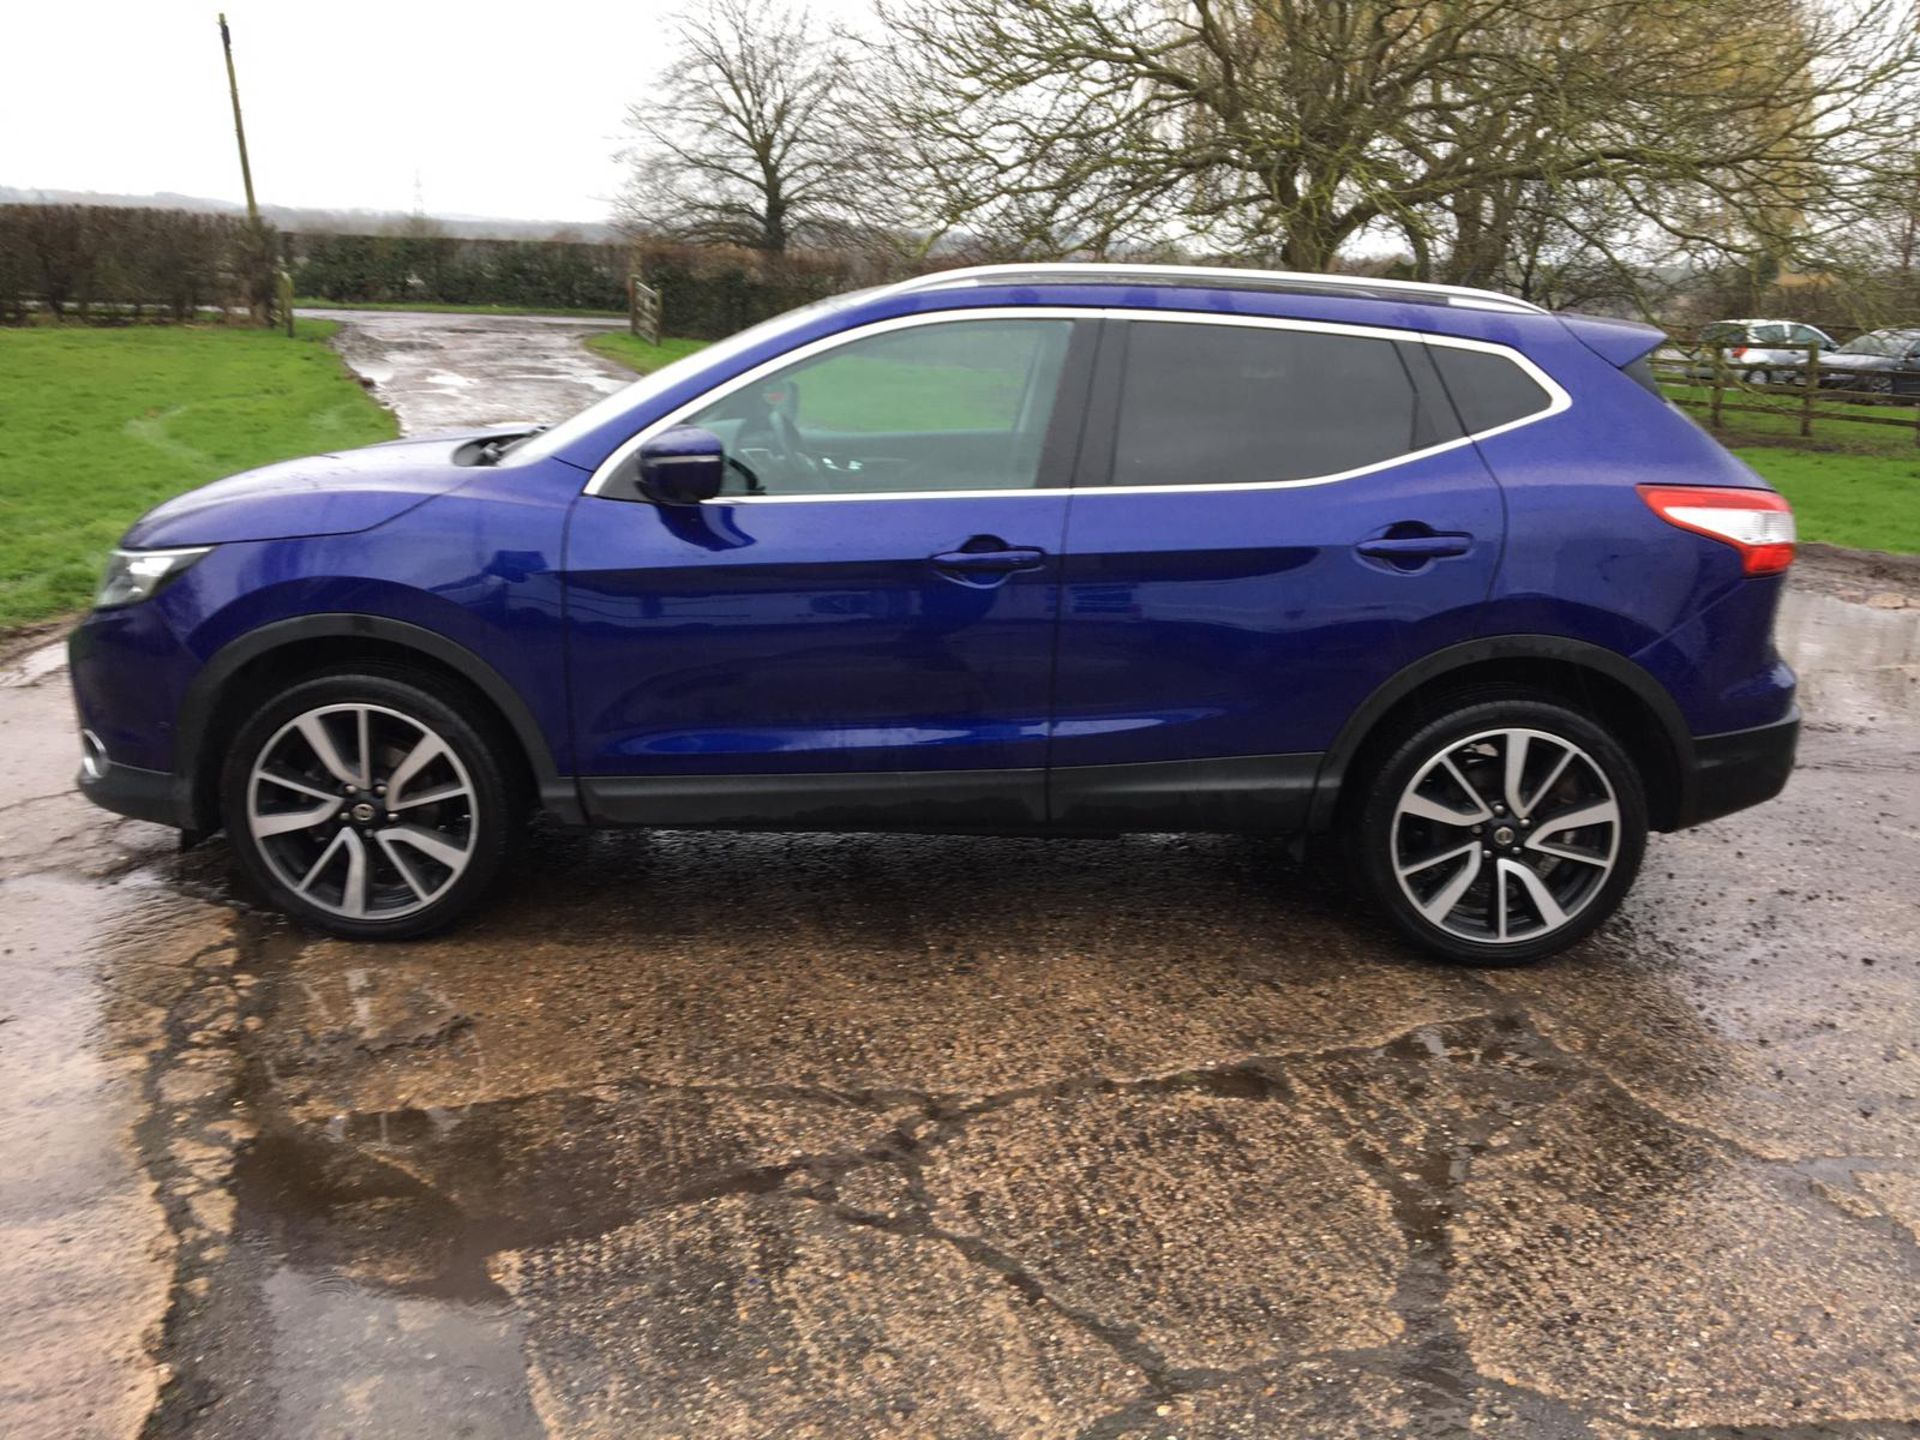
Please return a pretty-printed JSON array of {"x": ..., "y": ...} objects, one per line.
[
  {"x": 362, "y": 811},
  {"x": 1505, "y": 836}
]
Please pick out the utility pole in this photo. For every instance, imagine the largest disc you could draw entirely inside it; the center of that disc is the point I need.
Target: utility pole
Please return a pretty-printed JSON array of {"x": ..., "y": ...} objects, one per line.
[
  {"x": 239, "y": 126},
  {"x": 260, "y": 258}
]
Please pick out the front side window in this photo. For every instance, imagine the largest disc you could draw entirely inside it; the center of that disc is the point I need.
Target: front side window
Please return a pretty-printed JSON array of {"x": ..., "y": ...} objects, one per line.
[
  {"x": 956, "y": 405},
  {"x": 1218, "y": 404}
]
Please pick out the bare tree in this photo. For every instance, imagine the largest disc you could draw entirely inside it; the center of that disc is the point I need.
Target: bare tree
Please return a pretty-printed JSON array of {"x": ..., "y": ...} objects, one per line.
[
  {"x": 1282, "y": 129},
  {"x": 749, "y": 140}
]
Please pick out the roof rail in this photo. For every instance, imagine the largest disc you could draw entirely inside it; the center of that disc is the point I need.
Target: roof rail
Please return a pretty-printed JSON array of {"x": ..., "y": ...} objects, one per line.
[{"x": 1096, "y": 272}]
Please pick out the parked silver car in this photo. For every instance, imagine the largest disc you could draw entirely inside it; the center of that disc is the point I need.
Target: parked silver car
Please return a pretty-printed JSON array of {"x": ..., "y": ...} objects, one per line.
[{"x": 1762, "y": 351}]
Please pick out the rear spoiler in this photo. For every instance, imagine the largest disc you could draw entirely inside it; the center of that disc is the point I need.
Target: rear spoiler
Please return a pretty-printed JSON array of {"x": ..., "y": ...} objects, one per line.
[{"x": 1618, "y": 342}]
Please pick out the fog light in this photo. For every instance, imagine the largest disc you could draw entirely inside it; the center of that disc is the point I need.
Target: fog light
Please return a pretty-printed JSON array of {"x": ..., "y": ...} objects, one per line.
[{"x": 93, "y": 756}]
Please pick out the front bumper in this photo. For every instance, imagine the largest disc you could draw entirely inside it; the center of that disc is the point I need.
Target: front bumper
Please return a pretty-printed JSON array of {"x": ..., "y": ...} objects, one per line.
[
  {"x": 1738, "y": 769},
  {"x": 141, "y": 794}
]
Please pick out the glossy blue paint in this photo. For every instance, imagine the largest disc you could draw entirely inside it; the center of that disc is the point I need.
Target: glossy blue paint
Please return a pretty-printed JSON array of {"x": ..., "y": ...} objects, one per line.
[
  {"x": 1202, "y": 623},
  {"x": 746, "y": 639},
  {"x": 832, "y": 637}
]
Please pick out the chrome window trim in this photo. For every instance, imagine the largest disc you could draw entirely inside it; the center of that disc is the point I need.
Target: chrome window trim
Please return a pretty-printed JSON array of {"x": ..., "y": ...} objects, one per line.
[{"x": 1558, "y": 401}]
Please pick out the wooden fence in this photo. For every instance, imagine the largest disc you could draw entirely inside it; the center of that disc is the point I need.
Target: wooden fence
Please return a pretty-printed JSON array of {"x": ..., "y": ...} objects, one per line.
[{"x": 1811, "y": 387}]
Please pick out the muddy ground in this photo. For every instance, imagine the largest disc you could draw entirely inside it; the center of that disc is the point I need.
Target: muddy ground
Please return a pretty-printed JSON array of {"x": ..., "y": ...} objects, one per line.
[
  {"x": 700, "y": 1135},
  {"x": 442, "y": 372}
]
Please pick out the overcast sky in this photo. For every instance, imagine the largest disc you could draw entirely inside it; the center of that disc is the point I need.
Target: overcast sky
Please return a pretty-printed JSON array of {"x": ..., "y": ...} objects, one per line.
[{"x": 509, "y": 110}]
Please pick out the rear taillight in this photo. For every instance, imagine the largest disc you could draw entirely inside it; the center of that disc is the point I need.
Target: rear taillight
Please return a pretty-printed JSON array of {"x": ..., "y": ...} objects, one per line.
[
  {"x": 1739, "y": 352},
  {"x": 1757, "y": 523}
]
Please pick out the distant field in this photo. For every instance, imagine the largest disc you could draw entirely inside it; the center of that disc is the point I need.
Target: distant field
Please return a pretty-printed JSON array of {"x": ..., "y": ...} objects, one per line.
[
  {"x": 100, "y": 425},
  {"x": 1868, "y": 501},
  {"x": 1850, "y": 484},
  {"x": 867, "y": 392},
  {"x": 434, "y": 307},
  {"x": 1785, "y": 422}
]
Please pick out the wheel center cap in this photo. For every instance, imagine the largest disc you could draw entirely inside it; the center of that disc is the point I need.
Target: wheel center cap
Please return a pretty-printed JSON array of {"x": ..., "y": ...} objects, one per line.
[
  {"x": 1502, "y": 836},
  {"x": 364, "y": 813}
]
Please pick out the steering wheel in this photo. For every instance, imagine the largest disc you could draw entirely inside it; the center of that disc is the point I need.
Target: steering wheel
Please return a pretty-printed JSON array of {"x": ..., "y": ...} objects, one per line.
[{"x": 786, "y": 445}]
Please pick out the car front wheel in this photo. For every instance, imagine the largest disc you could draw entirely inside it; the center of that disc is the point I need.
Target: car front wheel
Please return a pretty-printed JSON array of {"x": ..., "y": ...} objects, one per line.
[
  {"x": 1503, "y": 831},
  {"x": 369, "y": 804}
]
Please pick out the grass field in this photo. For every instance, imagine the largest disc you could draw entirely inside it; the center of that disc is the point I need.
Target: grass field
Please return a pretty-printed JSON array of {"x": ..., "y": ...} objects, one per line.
[
  {"x": 1850, "y": 483},
  {"x": 637, "y": 355},
  {"x": 101, "y": 424},
  {"x": 1868, "y": 501},
  {"x": 929, "y": 391}
]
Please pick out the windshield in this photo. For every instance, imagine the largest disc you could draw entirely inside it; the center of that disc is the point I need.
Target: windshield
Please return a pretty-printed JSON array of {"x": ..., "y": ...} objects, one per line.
[
  {"x": 1874, "y": 344},
  {"x": 551, "y": 441}
]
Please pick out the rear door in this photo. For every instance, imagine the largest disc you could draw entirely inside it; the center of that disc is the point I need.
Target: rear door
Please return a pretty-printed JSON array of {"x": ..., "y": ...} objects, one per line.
[{"x": 1282, "y": 515}]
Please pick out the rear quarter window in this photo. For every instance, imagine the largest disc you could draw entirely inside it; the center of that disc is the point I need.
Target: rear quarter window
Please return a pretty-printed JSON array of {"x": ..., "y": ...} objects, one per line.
[
  {"x": 1209, "y": 404},
  {"x": 1488, "y": 390}
]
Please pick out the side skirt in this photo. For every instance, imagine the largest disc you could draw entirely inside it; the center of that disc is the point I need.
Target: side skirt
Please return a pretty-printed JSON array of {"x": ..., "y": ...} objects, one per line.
[{"x": 1255, "y": 795}]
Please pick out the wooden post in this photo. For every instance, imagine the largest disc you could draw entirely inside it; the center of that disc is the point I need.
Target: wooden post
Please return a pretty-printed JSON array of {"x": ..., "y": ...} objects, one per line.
[
  {"x": 1809, "y": 388},
  {"x": 239, "y": 126},
  {"x": 1719, "y": 385},
  {"x": 643, "y": 311}
]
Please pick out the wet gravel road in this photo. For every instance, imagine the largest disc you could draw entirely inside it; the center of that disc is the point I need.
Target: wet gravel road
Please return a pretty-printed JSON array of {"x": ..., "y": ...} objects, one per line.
[
  {"x": 700, "y": 1135},
  {"x": 443, "y": 372}
]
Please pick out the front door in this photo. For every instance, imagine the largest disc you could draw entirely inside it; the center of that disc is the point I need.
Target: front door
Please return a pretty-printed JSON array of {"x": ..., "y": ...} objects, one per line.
[
  {"x": 1285, "y": 516},
  {"x": 859, "y": 631}
]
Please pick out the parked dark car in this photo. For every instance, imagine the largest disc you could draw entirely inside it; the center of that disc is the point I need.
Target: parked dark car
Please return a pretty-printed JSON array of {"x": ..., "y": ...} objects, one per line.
[
  {"x": 1430, "y": 573},
  {"x": 1884, "y": 362}
]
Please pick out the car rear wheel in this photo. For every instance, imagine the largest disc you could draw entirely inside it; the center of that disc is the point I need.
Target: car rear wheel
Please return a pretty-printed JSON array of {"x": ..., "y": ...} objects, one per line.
[
  {"x": 1503, "y": 831},
  {"x": 369, "y": 804}
]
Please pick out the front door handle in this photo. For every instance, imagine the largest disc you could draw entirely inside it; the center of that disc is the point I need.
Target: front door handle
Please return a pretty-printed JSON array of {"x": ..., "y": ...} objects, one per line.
[{"x": 1416, "y": 547}]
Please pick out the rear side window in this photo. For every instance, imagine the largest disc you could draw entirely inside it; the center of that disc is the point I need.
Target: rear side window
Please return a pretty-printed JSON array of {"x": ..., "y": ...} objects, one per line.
[
  {"x": 1221, "y": 404},
  {"x": 1488, "y": 390}
]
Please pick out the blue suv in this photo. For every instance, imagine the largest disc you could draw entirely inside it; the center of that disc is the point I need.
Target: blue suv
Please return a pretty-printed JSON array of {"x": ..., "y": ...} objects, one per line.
[{"x": 1066, "y": 550}]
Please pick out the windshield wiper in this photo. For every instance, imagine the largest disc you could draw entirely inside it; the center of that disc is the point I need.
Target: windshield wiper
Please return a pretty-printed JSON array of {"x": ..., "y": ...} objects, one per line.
[{"x": 490, "y": 452}]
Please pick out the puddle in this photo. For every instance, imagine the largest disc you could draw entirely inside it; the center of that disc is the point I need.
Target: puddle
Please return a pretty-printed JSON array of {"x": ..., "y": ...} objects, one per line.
[{"x": 346, "y": 1362}]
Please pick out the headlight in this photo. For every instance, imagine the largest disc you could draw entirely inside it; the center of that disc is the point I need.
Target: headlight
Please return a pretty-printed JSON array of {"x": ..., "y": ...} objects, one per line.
[{"x": 136, "y": 575}]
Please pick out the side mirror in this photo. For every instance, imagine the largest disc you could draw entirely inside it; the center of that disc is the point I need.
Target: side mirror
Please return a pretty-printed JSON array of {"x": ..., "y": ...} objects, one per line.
[{"x": 682, "y": 466}]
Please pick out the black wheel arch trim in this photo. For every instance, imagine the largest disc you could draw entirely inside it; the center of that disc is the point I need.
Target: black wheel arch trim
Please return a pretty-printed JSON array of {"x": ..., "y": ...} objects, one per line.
[
  {"x": 1441, "y": 663},
  {"x": 558, "y": 793}
]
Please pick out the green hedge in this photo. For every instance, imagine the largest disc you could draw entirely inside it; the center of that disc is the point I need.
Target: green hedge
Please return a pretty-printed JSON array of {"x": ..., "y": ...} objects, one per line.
[
  {"x": 83, "y": 260},
  {"x": 556, "y": 274}
]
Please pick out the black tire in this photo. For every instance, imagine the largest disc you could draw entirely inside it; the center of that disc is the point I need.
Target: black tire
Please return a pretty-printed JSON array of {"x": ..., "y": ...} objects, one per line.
[
  {"x": 488, "y": 818},
  {"x": 1376, "y": 824}
]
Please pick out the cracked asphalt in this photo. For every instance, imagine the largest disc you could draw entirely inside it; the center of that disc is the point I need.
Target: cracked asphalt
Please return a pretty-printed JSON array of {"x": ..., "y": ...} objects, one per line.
[{"x": 815, "y": 1136}]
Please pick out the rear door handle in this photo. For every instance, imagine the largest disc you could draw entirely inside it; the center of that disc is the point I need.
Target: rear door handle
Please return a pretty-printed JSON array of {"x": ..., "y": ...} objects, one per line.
[
  {"x": 1416, "y": 547},
  {"x": 990, "y": 561}
]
